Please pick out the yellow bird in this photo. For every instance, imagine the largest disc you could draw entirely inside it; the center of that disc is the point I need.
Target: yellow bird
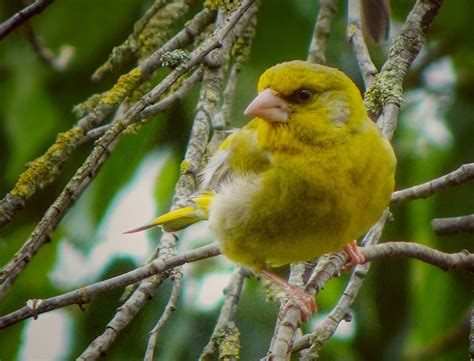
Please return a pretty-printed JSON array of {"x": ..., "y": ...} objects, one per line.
[{"x": 306, "y": 176}]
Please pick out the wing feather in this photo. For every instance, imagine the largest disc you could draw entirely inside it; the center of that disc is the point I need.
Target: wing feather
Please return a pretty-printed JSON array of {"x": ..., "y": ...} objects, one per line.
[{"x": 239, "y": 154}]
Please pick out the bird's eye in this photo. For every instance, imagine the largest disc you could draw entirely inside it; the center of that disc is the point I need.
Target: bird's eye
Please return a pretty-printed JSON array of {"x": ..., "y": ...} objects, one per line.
[{"x": 301, "y": 96}]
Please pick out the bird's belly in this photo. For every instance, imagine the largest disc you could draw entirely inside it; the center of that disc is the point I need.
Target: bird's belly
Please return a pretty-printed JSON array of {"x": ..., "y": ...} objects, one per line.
[{"x": 276, "y": 227}]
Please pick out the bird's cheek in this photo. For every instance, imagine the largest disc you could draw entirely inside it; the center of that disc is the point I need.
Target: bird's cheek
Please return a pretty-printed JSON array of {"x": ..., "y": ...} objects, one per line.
[{"x": 338, "y": 111}]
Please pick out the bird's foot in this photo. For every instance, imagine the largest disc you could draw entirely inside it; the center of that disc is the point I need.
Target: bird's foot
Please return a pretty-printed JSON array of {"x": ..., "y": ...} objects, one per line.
[
  {"x": 355, "y": 255},
  {"x": 298, "y": 298},
  {"x": 302, "y": 301}
]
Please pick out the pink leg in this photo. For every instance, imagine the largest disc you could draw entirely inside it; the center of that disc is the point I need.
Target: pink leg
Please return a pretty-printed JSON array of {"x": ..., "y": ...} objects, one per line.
[
  {"x": 355, "y": 255},
  {"x": 302, "y": 300}
]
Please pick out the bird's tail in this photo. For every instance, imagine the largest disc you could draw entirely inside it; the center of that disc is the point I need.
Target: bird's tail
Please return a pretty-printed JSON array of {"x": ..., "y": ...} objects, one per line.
[{"x": 173, "y": 221}]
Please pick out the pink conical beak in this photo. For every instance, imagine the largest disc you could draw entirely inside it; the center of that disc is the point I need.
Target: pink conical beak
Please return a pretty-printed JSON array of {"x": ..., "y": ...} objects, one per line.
[{"x": 268, "y": 105}]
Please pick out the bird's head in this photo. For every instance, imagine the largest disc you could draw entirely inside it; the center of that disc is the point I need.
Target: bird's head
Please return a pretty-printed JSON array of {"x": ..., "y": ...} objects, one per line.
[{"x": 313, "y": 101}]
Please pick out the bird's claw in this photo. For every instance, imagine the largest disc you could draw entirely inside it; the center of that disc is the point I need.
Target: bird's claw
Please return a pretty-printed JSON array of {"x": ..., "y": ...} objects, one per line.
[
  {"x": 355, "y": 255},
  {"x": 302, "y": 301}
]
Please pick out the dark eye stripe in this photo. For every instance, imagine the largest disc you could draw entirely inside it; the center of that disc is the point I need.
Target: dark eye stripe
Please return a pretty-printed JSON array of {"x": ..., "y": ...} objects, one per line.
[{"x": 300, "y": 96}]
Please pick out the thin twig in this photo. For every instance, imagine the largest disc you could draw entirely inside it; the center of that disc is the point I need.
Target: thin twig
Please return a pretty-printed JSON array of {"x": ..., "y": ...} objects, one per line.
[
  {"x": 461, "y": 175},
  {"x": 322, "y": 29},
  {"x": 58, "y": 63},
  {"x": 85, "y": 294},
  {"x": 471, "y": 334},
  {"x": 23, "y": 15},
  {"x": 151, "y": 110},
  {"x": 462, "y": 224},
  {"x": 359, "y": 47},
  {"x": 170, "y": 307}
]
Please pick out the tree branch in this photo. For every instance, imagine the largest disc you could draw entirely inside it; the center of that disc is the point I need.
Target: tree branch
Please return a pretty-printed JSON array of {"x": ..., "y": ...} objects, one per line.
[
  {"x": 84, "y": 294},
  {"x": 458, "y": 261},
  {"x": 317, "y": 48},
  {"x": 120, "y": 54},
  {"x": 185, "y": 186},
  {"x": 444, "y": 226},
  {"x": 461, "y": 175},
  {"x": 101, "y": 151},
  {"x": 126, "y": 312},
  {"x": 384, "y": 96},
  {"x": 225, "y": 327},
  {"x": 44, "y": 170},
  {"x": 326, "y": 328},
  {"x": 455, "y": 261},
  {"x": 84, "y": 176},
  {"x": 23, "y": 15}
]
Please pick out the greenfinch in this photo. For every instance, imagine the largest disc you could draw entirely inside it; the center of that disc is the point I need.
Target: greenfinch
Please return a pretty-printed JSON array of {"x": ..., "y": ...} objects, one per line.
[{"x": 306, "y": 176}]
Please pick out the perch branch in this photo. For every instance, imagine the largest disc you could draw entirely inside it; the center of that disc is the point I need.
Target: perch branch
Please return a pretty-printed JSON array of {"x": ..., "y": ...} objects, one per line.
[
  {"x": 326, "y": 328},
  {"x": 455, "y": 261},
  {"x": 323, "y": 332},
  {"x": 84, "y": 294},
  {"x": 328, "y": 267}
]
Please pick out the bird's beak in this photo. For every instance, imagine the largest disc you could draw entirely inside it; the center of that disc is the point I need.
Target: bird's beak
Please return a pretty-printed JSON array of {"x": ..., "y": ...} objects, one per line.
[{"x": 268, "y": 105}]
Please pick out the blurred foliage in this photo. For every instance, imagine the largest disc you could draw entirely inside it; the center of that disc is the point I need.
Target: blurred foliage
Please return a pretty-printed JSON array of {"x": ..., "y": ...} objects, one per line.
[{"x": 403, "y": 305}]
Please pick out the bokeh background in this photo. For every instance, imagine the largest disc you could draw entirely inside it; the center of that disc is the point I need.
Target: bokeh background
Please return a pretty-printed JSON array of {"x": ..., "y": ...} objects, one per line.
[{"x": 404, "y": 306}]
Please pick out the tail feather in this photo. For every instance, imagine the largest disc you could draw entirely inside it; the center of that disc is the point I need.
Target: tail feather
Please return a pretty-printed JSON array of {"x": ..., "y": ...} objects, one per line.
[{"x": 181, "y": 218}]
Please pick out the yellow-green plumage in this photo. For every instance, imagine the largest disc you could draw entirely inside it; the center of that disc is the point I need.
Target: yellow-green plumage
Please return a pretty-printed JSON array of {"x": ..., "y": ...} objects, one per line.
[{"x": 293, "y": 190}]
